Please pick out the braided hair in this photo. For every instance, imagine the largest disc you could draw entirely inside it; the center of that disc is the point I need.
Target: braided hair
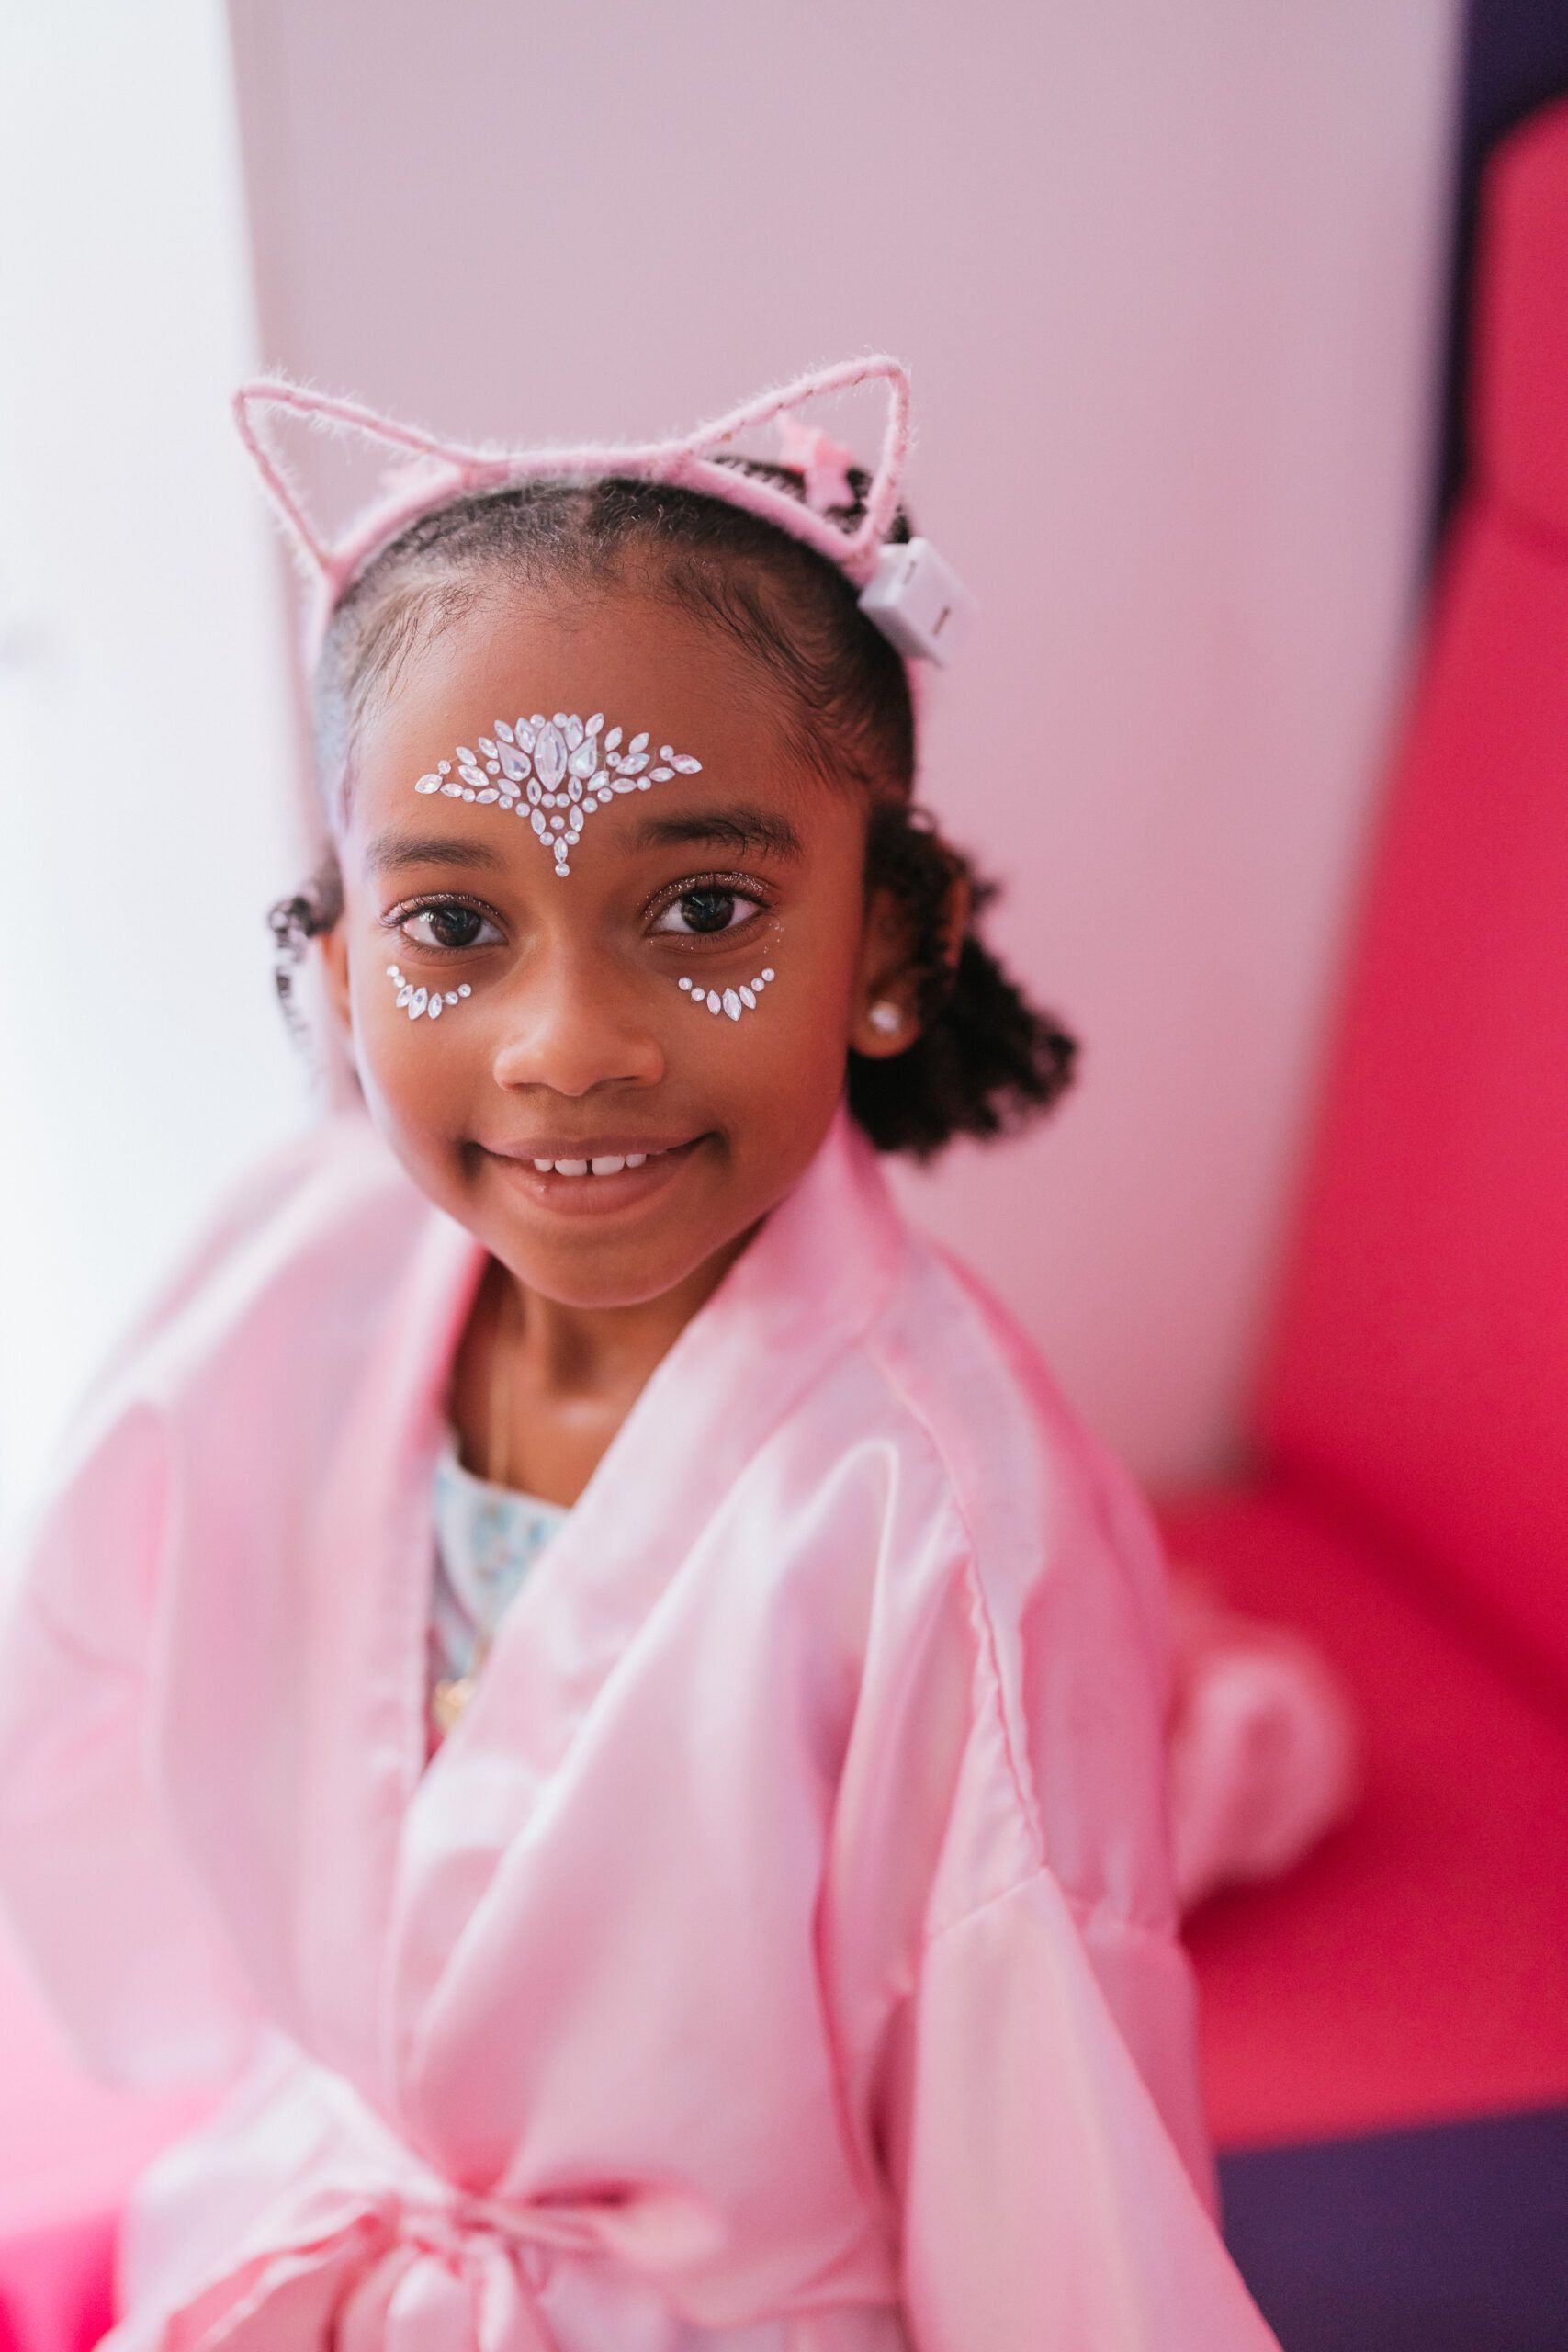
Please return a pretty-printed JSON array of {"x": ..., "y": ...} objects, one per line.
[{"x": 985, "y": 1058}]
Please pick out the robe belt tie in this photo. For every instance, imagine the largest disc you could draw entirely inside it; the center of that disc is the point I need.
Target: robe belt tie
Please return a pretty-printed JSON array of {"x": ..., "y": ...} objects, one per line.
[{"x": 386, "y": 2273}]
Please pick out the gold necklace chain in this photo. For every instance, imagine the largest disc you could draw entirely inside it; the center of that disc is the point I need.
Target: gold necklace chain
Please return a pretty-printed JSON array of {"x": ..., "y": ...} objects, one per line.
[
  {"x": 452, "y": 1692},
  {"x": 499, "y": 1460}
]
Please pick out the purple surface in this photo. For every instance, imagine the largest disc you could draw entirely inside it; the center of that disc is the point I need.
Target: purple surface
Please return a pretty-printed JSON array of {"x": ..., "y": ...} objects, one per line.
[{"x": 1447, "y": 2239}]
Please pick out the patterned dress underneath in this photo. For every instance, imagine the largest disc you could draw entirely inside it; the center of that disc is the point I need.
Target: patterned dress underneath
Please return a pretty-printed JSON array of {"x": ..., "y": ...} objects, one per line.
[{"x": 487, "y": 1538}]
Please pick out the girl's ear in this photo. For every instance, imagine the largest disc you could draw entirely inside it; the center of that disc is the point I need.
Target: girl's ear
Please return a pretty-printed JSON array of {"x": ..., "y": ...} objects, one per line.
[{"x": 887, "y": 1020}]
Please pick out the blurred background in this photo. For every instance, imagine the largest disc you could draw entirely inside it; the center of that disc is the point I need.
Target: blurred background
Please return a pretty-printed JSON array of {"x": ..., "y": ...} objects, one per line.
[
  {"x": 1172, "y": 283},
  {"x": 1263, "y": 726}
]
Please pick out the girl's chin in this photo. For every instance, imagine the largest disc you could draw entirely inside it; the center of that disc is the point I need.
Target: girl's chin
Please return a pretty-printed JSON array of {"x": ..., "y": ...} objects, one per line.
[{"x": 588, "y": 1275}]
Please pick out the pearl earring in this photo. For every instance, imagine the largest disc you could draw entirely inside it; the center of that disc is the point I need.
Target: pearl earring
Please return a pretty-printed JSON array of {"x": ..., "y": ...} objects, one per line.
[{"x": 887, "y": 1017}]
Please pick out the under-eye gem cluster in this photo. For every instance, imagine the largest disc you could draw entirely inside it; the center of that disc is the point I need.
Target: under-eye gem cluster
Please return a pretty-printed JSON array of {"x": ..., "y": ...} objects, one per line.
[
  {"x": 429, "y": 1001},
  {"x": 555, "y": 773},
  {"x": 735, "y": 1002}
]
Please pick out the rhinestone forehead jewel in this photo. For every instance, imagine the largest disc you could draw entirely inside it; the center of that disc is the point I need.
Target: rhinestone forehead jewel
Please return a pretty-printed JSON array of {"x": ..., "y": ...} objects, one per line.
[{"x": 555, "y": 773}]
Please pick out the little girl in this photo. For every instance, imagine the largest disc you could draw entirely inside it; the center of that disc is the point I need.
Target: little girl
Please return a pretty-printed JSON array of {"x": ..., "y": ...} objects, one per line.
[{"x": 575, "y": 1665}]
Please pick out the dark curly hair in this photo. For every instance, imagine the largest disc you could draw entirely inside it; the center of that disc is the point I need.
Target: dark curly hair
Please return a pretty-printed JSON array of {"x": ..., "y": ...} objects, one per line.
[{"x": 985, "y": 1058}]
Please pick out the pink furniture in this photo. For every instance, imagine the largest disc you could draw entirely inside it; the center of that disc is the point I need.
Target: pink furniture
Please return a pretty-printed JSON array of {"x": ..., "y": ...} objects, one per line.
[
  {"x": 68, "y": 2150},
  {"x": 1410, "y": 1509}
]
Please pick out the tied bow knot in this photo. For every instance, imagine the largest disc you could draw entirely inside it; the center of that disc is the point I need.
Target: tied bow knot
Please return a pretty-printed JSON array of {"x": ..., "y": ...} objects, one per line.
[{"x": 385, "y": 2273}]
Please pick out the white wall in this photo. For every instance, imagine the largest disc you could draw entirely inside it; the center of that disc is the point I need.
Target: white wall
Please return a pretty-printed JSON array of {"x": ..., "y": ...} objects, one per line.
[
  {"x": 1167, "y": 274},
  {"x": 143, "y": 743}
]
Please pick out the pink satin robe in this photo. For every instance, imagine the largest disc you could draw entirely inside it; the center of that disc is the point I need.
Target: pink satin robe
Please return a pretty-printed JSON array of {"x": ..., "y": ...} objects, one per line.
[{"x": 777, "y": 1957}]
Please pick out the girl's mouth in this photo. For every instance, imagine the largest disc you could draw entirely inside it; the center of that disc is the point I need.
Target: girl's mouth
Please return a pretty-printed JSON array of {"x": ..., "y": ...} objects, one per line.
[{"x": 595, "y": 1181}]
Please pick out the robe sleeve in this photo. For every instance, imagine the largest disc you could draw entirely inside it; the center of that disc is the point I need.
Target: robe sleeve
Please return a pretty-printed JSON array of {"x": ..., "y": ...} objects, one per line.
[
  {"x": 1053, "y": 2197},
  {"x": 99, "y": 1899}
]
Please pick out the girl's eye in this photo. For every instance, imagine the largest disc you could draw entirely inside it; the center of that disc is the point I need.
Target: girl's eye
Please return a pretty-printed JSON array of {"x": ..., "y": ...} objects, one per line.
[
  {"x": 447, "y": 926},
  {"x": 707, "y": 910}
]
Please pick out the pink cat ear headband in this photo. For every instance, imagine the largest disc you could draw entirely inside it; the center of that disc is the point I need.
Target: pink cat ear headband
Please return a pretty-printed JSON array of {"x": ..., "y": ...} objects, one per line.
[
  {"x": 554, "y": 773},
  {"x": 906, "y": 587}
]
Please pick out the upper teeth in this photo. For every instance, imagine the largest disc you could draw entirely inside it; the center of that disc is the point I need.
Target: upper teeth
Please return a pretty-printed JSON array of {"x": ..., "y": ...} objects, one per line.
[{"x": 611, "y": 1164}]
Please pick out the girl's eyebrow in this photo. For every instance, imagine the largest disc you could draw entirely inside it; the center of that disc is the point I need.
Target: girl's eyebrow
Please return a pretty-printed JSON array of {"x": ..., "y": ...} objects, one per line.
[
  {"x": 738, "y": 829},
  {"x": 387, "y": 852}
]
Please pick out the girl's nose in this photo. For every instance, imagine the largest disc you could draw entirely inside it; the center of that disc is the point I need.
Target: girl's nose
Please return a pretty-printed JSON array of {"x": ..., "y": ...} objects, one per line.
[{"x": 570, "y": 1030}]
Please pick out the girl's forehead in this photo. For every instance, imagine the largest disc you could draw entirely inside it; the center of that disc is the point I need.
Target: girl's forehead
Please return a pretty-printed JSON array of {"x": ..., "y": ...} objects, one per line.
[
  {"x": 648, "y": 667},
  {"x": 614, "y": 724}
]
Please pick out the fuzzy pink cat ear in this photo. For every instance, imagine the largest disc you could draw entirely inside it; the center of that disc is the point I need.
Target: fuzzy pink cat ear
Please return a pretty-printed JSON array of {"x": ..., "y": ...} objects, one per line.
[
  {"x": 855, "y": 549},
  {"x": 908, "y": 590},
  {"x": 430, "y": 469}
]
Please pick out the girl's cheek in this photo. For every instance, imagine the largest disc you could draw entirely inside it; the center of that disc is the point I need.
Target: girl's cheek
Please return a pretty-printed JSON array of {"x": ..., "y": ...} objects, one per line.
[{"x": 409, "y": 1060}]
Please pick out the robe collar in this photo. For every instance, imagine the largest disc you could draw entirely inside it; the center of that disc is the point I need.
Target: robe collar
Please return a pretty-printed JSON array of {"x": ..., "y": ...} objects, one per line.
[{"x": 387, "y": 1881}]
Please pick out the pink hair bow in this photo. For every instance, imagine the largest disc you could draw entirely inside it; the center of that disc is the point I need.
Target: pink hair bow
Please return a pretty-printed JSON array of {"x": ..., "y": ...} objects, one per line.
[{"x": 823, "y": 465}]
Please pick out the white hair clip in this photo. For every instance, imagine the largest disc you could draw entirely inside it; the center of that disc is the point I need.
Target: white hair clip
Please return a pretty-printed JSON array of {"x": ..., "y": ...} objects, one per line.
[
  {"x": 917, "y": 599},
  {"x": 555, "y": 773}
]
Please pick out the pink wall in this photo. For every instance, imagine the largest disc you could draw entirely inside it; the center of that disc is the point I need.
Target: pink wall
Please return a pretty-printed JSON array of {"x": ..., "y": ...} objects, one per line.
[{"x": 1165, "y": 275}]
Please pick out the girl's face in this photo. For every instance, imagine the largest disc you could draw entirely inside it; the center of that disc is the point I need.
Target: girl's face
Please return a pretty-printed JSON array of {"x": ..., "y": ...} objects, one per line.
[{"x": 575, "y": 1040}]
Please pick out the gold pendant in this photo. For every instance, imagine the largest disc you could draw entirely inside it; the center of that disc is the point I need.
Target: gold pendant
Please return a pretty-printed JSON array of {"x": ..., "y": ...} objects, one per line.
[{"x": 449, "y": 1699}]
